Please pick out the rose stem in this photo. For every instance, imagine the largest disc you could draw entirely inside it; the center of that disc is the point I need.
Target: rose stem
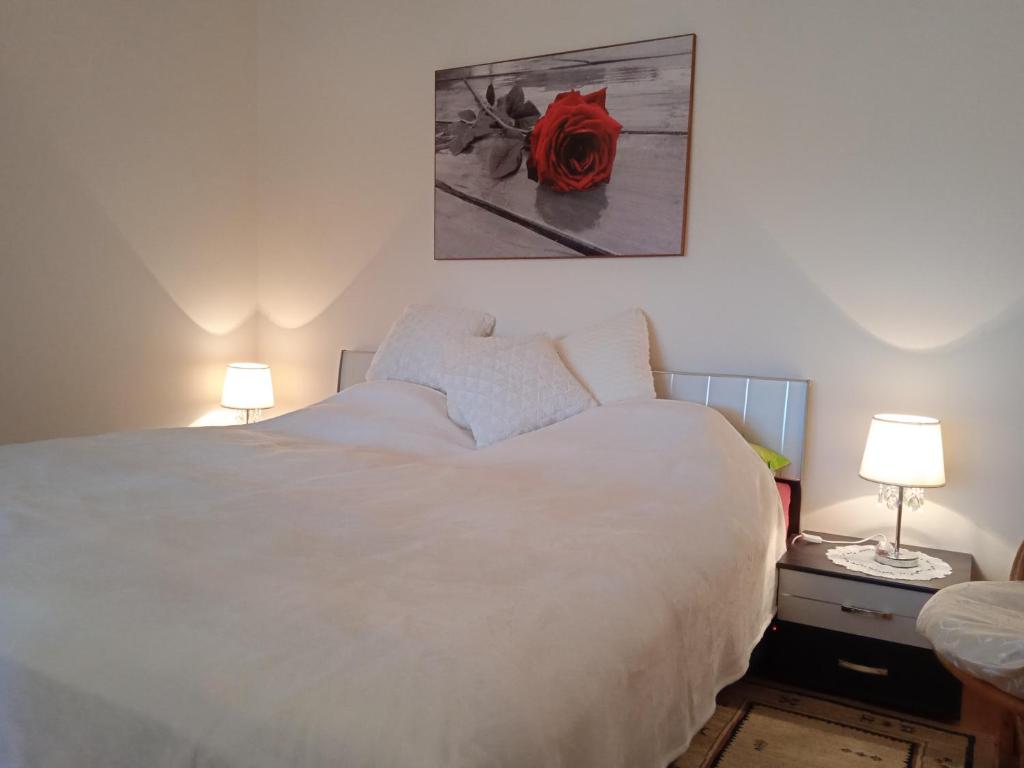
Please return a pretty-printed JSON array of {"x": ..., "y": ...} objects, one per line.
[{"x": 491, "y": 112}]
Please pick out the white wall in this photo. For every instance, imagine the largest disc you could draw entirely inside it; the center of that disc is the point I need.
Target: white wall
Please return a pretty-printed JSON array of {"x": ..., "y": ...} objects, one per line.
[
  {"x": 855, "y": 217},
  {"x": 127, "y": 216}
]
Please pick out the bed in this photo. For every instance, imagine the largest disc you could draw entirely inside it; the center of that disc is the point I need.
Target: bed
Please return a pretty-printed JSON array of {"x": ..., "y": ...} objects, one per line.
[{"x": 354, "y": 584}]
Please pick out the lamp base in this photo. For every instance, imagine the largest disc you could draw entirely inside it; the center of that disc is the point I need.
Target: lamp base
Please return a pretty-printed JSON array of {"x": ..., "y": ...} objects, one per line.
[
  {"x": 248, "y": 415},
  {"x": 897, "y": 558}
]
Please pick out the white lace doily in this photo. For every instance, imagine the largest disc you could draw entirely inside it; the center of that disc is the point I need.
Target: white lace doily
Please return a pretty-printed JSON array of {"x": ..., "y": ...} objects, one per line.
[{"x": 861, "y": 557}]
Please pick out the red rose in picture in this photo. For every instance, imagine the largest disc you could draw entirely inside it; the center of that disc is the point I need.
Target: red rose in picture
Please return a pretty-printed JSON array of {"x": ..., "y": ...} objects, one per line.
[{"x": 572, "y": 147}]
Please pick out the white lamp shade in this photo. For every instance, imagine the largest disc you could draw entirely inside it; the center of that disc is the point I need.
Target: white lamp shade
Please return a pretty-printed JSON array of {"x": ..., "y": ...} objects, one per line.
[
  {"x": 247, "y": 386},
  {"x": 904, "y": 450}
]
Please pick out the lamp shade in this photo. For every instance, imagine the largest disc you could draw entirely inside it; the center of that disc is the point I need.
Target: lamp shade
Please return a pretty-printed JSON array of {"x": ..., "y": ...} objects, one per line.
[
  {"x": 247, "y": 386},
  {"x": 904, "y": 450}
]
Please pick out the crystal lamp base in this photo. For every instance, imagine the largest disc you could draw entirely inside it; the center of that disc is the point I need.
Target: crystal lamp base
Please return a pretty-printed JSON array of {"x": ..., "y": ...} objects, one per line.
[{"x": 897, "y": 558}]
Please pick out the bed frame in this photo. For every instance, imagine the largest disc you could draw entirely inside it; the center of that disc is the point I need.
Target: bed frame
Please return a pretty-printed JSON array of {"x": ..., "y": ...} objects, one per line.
[{"x": 765, "y": 410}]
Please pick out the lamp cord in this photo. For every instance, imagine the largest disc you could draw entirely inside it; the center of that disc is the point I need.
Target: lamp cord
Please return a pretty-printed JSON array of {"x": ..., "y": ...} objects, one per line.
[{"x": 813, "y": 538}]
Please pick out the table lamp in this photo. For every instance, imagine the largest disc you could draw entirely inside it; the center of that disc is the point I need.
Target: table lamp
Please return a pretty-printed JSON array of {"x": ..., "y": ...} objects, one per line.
[
  {"x": 903, "y": 453},
  {"x": 247, "y": 387}
]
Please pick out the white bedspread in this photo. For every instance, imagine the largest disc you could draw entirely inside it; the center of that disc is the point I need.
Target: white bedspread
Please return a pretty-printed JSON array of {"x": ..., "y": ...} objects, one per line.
[{"x": 355, "y": 585}]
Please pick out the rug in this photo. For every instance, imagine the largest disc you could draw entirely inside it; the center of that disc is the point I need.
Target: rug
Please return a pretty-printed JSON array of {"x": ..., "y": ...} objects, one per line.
[{"x": 758, "y": 726}]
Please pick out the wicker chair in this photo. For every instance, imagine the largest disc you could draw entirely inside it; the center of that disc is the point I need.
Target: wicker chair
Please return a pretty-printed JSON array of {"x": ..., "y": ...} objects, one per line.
[{"x": 997, "y": 697}]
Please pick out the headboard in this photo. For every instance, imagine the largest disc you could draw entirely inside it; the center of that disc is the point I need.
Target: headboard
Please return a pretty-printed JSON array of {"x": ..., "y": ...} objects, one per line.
[{"x": 765, "y": 410}]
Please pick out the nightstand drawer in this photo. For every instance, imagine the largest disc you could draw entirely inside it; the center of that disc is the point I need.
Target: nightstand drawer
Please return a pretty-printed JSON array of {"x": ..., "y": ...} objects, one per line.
[
  {"x": 830, "y": 589},
  {"x": 901, "y": 677},
  {"x": 851, "y": 618}
]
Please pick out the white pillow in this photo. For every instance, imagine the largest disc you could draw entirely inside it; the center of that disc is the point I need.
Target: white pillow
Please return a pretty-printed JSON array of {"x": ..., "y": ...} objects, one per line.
[
  {"x": 505, "y": 387},
  {"x": 413, "y": 350},
  {"x": 454, "y": 351},
  {"x": 612, "y": 359}
]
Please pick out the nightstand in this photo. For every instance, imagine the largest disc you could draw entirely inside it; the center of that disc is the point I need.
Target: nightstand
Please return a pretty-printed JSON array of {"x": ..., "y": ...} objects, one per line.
[{"x": 854, "y": 635}]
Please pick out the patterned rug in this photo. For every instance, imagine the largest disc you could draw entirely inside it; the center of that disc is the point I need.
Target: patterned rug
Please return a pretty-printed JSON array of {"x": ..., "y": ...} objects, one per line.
[{"x": 757, "y": 726}]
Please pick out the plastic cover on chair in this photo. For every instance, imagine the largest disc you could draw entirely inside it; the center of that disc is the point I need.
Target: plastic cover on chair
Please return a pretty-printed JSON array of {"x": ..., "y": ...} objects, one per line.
[{"x": 979, "y": 628}]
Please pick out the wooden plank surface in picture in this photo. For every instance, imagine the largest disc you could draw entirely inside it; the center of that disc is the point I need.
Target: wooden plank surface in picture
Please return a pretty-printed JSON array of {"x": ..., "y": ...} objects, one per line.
[
  {"x": 636, "y": 208},
  {"x": 467, "y": 228},
  {"x": 621, "y": 218},
  {"x": 647, "y": 96},
  {"x": 645, "y": 50}
]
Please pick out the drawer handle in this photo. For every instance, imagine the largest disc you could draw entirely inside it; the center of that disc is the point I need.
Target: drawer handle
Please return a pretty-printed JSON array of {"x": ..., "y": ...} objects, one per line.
[
  {"x": 884, "y": 615},
  {"x": 863, "y": 669}
]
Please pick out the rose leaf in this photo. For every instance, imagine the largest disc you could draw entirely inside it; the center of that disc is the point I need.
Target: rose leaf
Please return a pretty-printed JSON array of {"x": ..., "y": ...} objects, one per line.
[
  {"x": 526, "y": 109},
  {"x": 490, "y": 94},
  {"x": 468, "y": 115},
  {"x": 462, "y": 135},
  {"x": 482, "y": 127},
  {"x": 514, "y": 99},
  {"x": 505, "y": 158}
]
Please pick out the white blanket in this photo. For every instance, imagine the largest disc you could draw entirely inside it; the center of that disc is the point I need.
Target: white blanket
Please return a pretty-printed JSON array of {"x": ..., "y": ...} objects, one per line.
[{"x": 354, "y": 585}]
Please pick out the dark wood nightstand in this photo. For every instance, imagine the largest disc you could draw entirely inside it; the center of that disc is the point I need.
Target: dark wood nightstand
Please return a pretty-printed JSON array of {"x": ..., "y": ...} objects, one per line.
[{"x": 854, "y": 634}]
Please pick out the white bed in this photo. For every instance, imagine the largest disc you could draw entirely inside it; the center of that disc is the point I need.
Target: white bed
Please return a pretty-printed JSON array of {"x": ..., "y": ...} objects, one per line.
[{"x": 355, "y": 585}]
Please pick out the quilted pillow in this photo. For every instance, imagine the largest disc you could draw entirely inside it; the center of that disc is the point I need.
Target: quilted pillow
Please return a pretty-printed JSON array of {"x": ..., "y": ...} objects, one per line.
[
  {"x": 453, "y": 352},
  {"x": 612, "y": 359},
  {"x": 505, "y": 387},
  {"x": 413, "y": 350}
]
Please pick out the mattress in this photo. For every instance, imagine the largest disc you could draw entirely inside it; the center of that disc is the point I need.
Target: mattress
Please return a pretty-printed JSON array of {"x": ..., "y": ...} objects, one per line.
[{"x": 354, "y": 584}]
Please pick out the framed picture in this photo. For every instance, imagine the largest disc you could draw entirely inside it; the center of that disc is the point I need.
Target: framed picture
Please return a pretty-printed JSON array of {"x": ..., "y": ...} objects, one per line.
[{"x": 583, "y": 153}]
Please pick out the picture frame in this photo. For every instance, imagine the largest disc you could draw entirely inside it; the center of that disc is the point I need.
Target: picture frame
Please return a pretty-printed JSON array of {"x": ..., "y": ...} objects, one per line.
[{"x": 583, "y": 153}]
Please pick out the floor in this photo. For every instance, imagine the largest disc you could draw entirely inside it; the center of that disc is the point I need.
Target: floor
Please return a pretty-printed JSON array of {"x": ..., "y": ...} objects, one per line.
[{"x": 988, "y": 725}]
